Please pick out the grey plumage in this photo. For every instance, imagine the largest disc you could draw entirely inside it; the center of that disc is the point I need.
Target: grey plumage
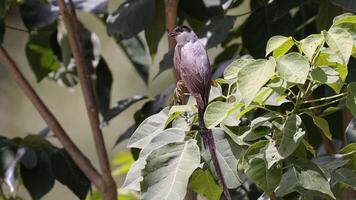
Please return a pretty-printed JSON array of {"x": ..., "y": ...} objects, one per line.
[{"x": 192, "y": 64}]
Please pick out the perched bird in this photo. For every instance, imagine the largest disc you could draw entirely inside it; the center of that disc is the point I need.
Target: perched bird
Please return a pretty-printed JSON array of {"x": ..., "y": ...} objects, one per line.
[{"x": 192, "y": 65}]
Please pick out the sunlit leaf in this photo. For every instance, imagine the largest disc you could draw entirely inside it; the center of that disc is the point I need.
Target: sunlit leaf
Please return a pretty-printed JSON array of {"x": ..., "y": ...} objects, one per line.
[
  {"x": 341, "y": 41},
  {"x": 293, "y": 68},
  {"x": 168, "y": 169},
  {"x": 310, "y": 44},
  {"x": 232, "y": 70},
  {"x": 253, "y": 76},
  {"x": 148, "y": 129},
  {"x": 217, "y": 111},
  {"x": 279, "y": 45}
]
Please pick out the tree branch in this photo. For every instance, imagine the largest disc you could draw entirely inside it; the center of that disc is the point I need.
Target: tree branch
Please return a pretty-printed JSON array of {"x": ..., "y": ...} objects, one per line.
[
  {"x": 78, "y": 157},
  {"x": 70, "y": 22}
]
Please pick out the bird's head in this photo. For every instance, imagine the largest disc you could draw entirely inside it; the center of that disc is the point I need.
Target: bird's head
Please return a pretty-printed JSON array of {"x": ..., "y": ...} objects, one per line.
[{"x": 182, "y": 33}]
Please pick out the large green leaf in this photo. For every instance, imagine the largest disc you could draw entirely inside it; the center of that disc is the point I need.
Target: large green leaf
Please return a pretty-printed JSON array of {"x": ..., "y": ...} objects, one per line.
[
  {"x": 293, "y": 68},
  {"x": 148, "y": 129},
  {"x": 133, "y": 177},
  {"x": 292, "y": 135},
  {"x": 253, "y": 76},
  {"x": 217, "y": 111},
  {"x": 310, "y": 44},
  {"x": 168, "y": 169},
  {"x": 341, "y": 41},
  {"x": 279, "y": 45},
  {"x": 266, "y": 179},
  {"x": 351, "y": 98},
  {"x": 227, "y": 159},
  {"x": 202, "y": 182},
  {"x": 232, "y": 70}
]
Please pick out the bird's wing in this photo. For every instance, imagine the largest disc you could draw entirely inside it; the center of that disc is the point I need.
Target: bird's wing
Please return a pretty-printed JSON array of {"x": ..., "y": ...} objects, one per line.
[{"x": 195, "y": 70}]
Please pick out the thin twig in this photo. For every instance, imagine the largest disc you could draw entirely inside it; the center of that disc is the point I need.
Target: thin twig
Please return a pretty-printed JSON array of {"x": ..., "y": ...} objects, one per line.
[
  {"x": 325, "y": 98},
  {"x": 16, "y": 29},
  {"x": 70, "y": 22},
  {"x": 78, "y": 157},
  {"x": 322, "y": 105}
]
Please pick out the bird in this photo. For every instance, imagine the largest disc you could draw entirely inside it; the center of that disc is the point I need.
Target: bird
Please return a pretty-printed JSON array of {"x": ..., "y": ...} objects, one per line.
[{"x": 191, "y": 63}]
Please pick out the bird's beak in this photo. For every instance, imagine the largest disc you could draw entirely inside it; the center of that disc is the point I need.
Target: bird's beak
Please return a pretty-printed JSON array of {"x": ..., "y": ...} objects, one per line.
[{"x": 172, "y": 34}]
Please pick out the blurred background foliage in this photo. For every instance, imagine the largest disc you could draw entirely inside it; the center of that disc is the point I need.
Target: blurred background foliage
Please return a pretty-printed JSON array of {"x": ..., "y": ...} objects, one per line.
[{"x": 126, "y": 48}]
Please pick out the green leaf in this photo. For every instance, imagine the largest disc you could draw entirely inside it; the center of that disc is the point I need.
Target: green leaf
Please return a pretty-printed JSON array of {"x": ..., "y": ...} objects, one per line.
[
  {"x": 40, "y": 55},
  {"x": 351, "y": 98},
  {"x": 292, "y": 134},
  {"x": 271, "y": 154},
  {"x": 341, "y": 41},
  {"x": 279, "y": 45},
  {"x": 183, "y": 108},
  {"x": 325, "y": 75},
  {"x": 232, "y": 70},
  {"x": 266, "y": 179},
  {"x": 346, "y": 176},
  {"x": 134, "y": 177},
  {"x": 168, "y": 169},
  {"x": 227, "y": 159},
  {"x": 310, "y": 44},
  {"x": 103, "y": 84},
  {"x": 156, "y": 29},
  {"x": 344, "y": 18},
  {"x": 288, "y": 183},
  {"x": 202, "y": 182},
  {"x": 217, "y": 111},
  {"x": 148, "y": 129},
  {"x": 313, "y": 180},
  {"x": 253, "y": 76},
  {"x": 293, "y": 68},
  {"x": 323, "y": 125}
]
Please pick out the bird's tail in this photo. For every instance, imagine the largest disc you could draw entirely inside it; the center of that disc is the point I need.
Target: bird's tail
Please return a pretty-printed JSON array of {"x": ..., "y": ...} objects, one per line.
[{"x": 208, "y": 141}]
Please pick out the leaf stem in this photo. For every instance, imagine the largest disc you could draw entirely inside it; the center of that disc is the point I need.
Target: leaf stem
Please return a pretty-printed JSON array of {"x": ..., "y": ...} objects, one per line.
[
  {"x": 325, "y": 98},
  {"x": 322, "y": 105}
]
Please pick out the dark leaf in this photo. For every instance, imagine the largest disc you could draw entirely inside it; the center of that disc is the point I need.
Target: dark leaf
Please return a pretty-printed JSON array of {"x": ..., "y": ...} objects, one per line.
[
  {"x": 103, "y": 85},
  {"x": 346, "y": 4},
  {"x": 29, "y": 159},
  {"x": 38, "y": 180},
  {"x": 198, "y": 10},
  {"x": 66, "y": 172},
  {"x": 167, "y": 62},
  {"x": 38, "y": 13},
  {"x": 131, "y": 18},
  {"x": 156, "y": 29},
  {"x": 125, "y": 135},
  {"x": 261, "y": 25},
  {"x": 326, "y": 14},
  {"x": 121, "y": 106},
  {"x": 282, "y": 7},
  {"x": 216, "y": 30},
  {"x": 40, "y": 54},
  {"x": 136, "y": 53}
]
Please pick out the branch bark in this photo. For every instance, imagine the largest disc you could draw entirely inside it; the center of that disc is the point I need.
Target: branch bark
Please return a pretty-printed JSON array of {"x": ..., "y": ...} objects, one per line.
[
  {"x": 78, "y": 157},
  {"x": 109, "y": 191}
]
